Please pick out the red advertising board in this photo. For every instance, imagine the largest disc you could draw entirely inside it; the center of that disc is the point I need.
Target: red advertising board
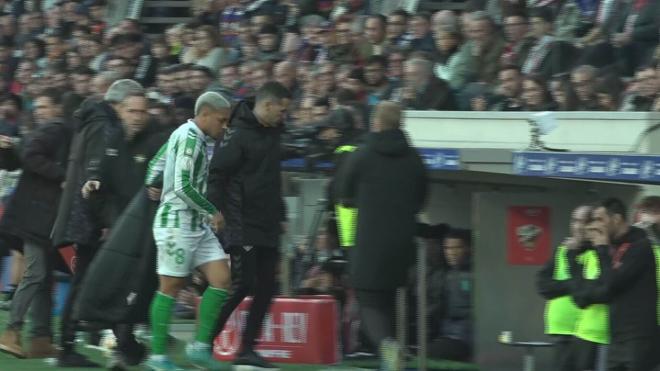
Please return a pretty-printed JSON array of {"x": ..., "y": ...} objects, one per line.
[
  {"x": 296, "y": 330},
  {"x": 528, "y": 234}
]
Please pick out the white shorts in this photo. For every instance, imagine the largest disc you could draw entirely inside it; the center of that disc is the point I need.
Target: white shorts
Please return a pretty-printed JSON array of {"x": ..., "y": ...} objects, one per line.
[{"x": 180, "y": 251}]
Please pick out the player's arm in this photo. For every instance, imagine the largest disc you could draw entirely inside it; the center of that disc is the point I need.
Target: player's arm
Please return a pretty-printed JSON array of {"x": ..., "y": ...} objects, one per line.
[
  {"x": 156, "y": 167},
  {"x": 188, "y": 153}
]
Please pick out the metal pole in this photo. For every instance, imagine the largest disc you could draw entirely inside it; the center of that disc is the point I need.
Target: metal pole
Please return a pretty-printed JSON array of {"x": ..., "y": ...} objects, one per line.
[
  {"x": 421, "y": 307},
  {"x": 401, "y": 325}
]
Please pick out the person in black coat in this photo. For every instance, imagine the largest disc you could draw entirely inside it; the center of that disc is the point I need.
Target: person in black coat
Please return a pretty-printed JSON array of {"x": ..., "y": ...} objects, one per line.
[
  {"x": 628, "y": 268},
  {"x": 30, "y": 216},
  {"x": 387, "y": 182},
  {"x": 108, "y": 160},
  {"x": 245, "y": 185}
]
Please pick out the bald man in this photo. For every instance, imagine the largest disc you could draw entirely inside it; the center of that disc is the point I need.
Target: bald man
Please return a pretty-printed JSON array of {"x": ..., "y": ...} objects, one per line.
[{"x": 386, "y": 181}]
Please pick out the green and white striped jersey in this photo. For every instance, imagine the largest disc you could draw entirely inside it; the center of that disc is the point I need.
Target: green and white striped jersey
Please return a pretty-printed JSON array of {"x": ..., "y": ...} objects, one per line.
[{"x": 183, "y": 165}]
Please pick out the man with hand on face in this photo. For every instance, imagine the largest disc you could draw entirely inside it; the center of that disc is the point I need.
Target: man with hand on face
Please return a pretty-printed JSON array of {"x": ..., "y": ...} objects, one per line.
[
  {"x": 245, "y": 184},
  {"x": 629, "y": 268}
]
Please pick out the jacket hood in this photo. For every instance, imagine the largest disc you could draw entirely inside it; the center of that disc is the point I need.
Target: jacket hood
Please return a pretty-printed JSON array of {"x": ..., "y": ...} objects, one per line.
[
  {"x": 389, "y": 142},
  {"x": 242, "y": 115},
  {"x": 92, "y": 110}
]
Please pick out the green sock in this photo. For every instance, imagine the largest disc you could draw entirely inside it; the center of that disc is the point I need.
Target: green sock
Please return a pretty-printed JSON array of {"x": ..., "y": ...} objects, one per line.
[
  {"x": 209, "y": 310},
  {"x": 161, "y": 312}
]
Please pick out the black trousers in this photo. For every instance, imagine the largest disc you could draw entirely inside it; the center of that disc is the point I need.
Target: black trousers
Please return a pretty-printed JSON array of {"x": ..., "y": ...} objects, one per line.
[
  {"x": 124, "y": 332},
  {"x": 253, "y": 272},
  {"x": 639, "y": 354},
  {"x": 377, "y": 312}
]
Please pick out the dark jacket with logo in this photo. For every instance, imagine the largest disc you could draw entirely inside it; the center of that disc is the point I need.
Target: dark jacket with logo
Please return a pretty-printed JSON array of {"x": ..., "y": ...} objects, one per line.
[
  {"x": 32, "y": 209},
  {"x": 629, "y": 269},
  {"x": 100, "y": 152},
  {"x": 244, "y": 180},
  {"x": 386, "y": 180}
]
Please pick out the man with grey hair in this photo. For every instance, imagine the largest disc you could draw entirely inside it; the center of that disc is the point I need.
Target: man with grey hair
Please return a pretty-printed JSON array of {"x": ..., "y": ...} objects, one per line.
[
  {"x": 583, "y": 79},
  {"x": 108, "y": 155},
  {"x": 185, "y": 231},
  {"x": 422, "y": 90}
]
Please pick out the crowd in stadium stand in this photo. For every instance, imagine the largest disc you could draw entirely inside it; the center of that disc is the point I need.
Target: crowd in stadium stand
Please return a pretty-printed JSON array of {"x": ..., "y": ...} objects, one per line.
[{"x": 506, "y": 55}]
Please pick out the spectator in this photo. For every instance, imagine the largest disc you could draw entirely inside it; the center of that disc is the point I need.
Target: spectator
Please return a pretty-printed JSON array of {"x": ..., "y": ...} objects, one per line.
[
  {"x": 609, "y": 89},
  {"x": 640, "y": 34},
  {"x": 423, "y": 91},
  {"x": 568, "y": 20},
  {"x": 644, "y": 92},
  {"x": 205, "y": 50},
  {"x": 343, "y": 50},
  {"x": 376, "y": 42},
  {"x": 199, "y": 79},
  {"x": 548, "y": 56},
  {"x": 131, "y": 47},
  {"x": 562, "y": 93},
  {"x": 519, "y": 43},
  {"x": 475, "y": 97},
  {"x": 378, "y": 86},
  {"x": 447, "y": 43},
  {"x": 479, "y": 57},
  {"x": 229, "y": 78},
  {"x": 268, "y": 43},
  {"x": 445, "y": 19},
  {"x": 395, "y": 61},
  {"x": 161, "y": 53},
  {"x": 535, "y": 95},
  {"x": 583, "y": 79},
  {"x": 420, "y": 31},
  {"x": 120, "y": 65},
  {"x": 285, "y": 73},
  {"x": 396, "y": 28},
  {"x": 384, "y": 170},
  {"x": 508, "y": 91}
]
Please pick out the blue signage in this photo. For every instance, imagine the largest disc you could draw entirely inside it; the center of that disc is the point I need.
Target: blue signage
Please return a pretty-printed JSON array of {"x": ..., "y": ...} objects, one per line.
[
  {"x": 434, "y": 159},
  {"x": 645, "y": 168},
  {"x": 440, "y": 158}
]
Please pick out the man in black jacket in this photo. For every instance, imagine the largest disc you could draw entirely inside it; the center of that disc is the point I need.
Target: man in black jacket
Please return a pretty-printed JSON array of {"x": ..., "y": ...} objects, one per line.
[
  {"x": 108, "y": 162},
  {"x": 30, "y": 216},
  {"x": 386, "y": 180},
  {"x": 245, "y": 185},
  {"x": 628, "y": 266}
]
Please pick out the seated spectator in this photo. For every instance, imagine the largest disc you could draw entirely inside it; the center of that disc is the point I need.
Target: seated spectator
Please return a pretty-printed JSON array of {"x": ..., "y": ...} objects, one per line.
[
  {"x": 455, "y": 338},
  {"x": 535, "y": 95},
  {"x": 562, "y": 93},
  {"x": 609, "y": 89},
  {"x": 420, "y": 31},
  {"x": 583, "y": 79},
  {"x": 396, "y": 29},
  {"x": 268, "y": 41},
  {"x": 376, "y": 42},
  {"x": 475, "y": 97},
  {"x": 479, "y": 57},
  {"x": 547, "y": 57},
  {"x": 285, "y": 73},
  {"x": 640, "y": 35},
  {"x": 422, "y": 90},
  {"x": 378, "y": 86},
  {"x": 447, "y": 43},
  {"x": 205, "y": 50},
  {"x": 507, "y": 93},
  {"x": 395, "y": 66},
  {"x": 343, "y": 50},
  {"x": 644, "y": 90},
  {"x": 519, "y": 43}
]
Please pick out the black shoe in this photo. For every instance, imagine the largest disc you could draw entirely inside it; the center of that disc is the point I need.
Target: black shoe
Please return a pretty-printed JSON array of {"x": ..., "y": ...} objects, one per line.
[
  {"x": 250, "y": 359},
  {"x": 73, "y": 359},
  {"x": 134, "y": 354}
]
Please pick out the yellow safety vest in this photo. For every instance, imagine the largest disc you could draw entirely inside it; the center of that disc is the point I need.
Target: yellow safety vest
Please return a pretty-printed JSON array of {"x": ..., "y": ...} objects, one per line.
[
  {"x": 593, "y": 324},
  {"x": 561, "y": 313},
  {"x": 346, "y": 216}
]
